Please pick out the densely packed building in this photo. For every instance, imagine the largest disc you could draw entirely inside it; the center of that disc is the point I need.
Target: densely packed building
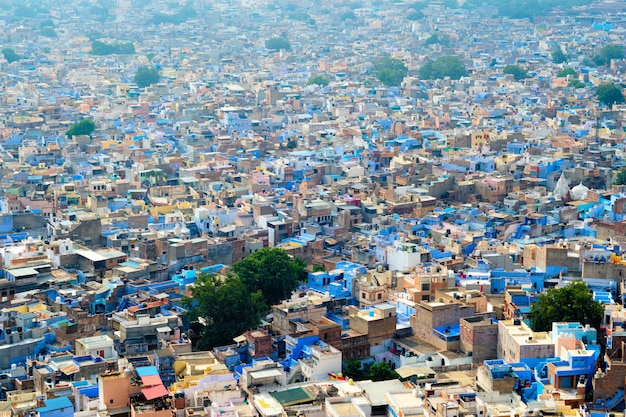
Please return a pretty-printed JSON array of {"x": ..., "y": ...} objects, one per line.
[{"x": 431, "y": 213}]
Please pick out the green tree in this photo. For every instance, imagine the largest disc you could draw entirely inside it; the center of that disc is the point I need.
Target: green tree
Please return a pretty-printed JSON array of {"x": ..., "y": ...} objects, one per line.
[
  {"x": 519, "y": 9},
  {"x": 222, "y": 308},
  {"x": 84, "y": 127},
  {"x": 518, "y": 72},
  {"x": 438, "y": 38},
  {"x": 318, "y": 268},
  {"x": 318, "y": 80},
  {"x": 571, "y": 303},
  {"x": 389, "y": 71},
  {"x": 559, "y": 57},
  {"x": 587, "y": 62},
  {"x": 609, "y": 94},
  {"x": 292, "y": 144},
  {"x": 47, "y": 23},
  {"x": 381, "y": 371},
  {"x": 278, "y": 44},
  {"x": 620, "y": 179},
  {"x": 10, "y": 55},
  {"x": 48, "y": 32},
  {"x": 100, "y": 13},
  {"x": 146, "y": 76},
  {"x": 415, "y": 15},
  {"x": 445, "y": 66},
  {"x": 121, "y": 48},
  {"x": 567, "y": 71},
  {"x": 354, "y": 370},
  {"x": 576, "y": 83},
  {"x": 94, "y": 35},
  {"x": 610, "y": 52},
  {"x": 271, "y": 271},
  {"x": 607, "y": 53}
]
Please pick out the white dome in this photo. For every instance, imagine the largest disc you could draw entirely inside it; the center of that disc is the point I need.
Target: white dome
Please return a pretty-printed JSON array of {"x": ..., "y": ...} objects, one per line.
[
  {"x": 562, "y": 188},
  {"x": 579, "y": 192}
]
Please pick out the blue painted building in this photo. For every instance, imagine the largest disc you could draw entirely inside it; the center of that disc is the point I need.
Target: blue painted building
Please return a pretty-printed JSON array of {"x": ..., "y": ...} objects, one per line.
[{"x": 57, "y": 407}]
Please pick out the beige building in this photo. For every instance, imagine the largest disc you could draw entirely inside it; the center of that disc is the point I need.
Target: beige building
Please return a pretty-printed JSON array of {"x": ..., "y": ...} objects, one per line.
[
  {"x": 436, "y": 315},
  {"x": 377, "y": 322},
  {"x": 517, "y": 341}
]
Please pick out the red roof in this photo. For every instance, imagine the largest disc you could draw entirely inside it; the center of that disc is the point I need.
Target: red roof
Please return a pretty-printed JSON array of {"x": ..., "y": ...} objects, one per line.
[
  {"x": 155, "y": 392},
  {"x": 151, "y": 380}
]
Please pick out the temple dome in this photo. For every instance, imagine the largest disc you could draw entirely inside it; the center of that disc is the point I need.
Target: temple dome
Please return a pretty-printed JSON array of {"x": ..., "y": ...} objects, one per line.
[{"x": 579, "y": 192}]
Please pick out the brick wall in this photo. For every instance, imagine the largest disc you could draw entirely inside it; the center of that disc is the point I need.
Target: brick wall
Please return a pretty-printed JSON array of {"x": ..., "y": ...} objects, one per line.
[{"x": 480, "y": 338}]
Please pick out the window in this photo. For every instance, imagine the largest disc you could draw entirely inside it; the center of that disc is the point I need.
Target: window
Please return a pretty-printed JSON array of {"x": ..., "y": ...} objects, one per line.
[
  {"x": 426, "y": 287},
  {"x": 380, "y": 296},
  {"x": 363, "y": 295}
]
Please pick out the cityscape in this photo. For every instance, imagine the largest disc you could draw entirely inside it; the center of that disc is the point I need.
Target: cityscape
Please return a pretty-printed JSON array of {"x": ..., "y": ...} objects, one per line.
[{"x": 311, "y": 208}]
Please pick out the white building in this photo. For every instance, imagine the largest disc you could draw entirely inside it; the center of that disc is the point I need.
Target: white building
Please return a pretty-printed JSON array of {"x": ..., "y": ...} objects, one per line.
[
  {"x": 97, "y": 346},
  {"x": 403, "y": 256},
  {"x": 324, "y": 360}
]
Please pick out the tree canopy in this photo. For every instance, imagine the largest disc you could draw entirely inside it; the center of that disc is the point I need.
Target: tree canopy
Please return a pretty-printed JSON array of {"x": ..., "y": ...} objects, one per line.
[
  {"x": 318, "y": 80},
  {"x": 10, "y": 55},
  {"x": 146, "y": 76},
  {"x": 559, "y": 57},
  {"x": 354, "y": 369},
  {"x": 222, "y": 308},
  {"x": 445, "y": 66},
  {"x": 84, "y": 127},
  {"x": 607, "y": 53},
  {"x": 47, "y": 23},
  {"x": 278, "y": 44},
  {"x": 415, "y": 15},
  {"x": 389, "y": 71},
  {"x": 120, "y": 48},
  {"x": 518, "y": 72},
  {"x": 620, "y": 178},
  {"x": 567, "y": 71},
  {"x": 438, "y": 38},
  {"x": 381, "y": 371},
  {"x": 571, "y": 303},
  {"x": 271, "y": 271},
  {"x": 576, "y": 83},
  {"x": 609, "y": 94},
  {"x": 48, "y": 32},
  {"x": 524, "y": 9},
  {"x": 176, "y": 18},
  {"x": 100, "y": 12}
]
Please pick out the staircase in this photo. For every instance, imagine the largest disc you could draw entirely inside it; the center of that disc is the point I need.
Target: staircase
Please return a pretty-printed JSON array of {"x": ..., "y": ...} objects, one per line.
[
  {"x": 295, "y": 372},
  {"x": 615, "y": 400}
]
